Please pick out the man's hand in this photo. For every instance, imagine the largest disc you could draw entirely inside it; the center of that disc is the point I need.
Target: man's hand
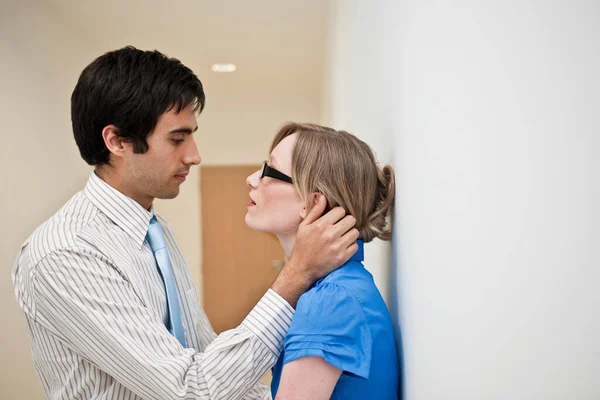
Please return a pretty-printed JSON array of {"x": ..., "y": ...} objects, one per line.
[{"x": 322, "y": 245}]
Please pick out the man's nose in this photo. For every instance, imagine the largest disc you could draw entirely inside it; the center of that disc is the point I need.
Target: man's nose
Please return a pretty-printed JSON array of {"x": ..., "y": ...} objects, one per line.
[{"x": 192, "y": 156}]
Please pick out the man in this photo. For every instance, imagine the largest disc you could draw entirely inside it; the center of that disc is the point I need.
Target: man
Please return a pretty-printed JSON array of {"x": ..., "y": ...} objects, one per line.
[{"x": 109, "y": 303}]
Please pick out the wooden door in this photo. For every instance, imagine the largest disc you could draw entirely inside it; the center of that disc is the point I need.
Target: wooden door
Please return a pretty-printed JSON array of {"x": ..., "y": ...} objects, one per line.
[{"x": 239, "y": 264}]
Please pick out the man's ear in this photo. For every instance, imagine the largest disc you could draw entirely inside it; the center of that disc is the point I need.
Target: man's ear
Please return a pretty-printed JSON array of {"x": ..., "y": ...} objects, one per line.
[{"x": 114, "y": 143}]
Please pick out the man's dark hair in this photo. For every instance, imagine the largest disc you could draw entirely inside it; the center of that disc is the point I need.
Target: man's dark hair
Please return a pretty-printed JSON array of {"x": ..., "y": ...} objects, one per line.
[{"x": 129, "y": 88}]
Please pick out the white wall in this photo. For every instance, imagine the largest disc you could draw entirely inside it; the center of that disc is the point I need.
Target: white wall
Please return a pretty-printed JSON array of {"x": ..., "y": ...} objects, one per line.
[{"x": 494, "y": 132}]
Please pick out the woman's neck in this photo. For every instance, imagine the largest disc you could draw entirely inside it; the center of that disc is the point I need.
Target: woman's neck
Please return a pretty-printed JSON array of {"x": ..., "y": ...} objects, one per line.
[{"x": 287, "y": 241}]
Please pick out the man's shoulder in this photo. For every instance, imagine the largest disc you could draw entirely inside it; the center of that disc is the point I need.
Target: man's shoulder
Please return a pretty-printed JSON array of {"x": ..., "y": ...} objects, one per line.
[{"x": 61, "y": 230}]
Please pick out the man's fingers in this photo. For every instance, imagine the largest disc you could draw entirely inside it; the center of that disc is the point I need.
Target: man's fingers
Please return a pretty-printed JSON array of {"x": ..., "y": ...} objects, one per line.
[
  {"x": 317, "y": 210},
  {"x": 333, "y": 216},
  {"x": 350, "y": 251},
  {"x": 349, "y": 238},
  {"x": 345, "y": 224}
]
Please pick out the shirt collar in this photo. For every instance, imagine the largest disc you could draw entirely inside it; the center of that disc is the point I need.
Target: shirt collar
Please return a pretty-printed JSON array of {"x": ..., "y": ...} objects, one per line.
[
  {"x": 360, "y": 254},
  {"x": 125, "y": 212}
]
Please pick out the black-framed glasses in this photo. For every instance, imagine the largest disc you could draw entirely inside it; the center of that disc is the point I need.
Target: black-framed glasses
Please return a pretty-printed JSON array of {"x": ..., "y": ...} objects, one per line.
[{"x": 271, "y": 172}]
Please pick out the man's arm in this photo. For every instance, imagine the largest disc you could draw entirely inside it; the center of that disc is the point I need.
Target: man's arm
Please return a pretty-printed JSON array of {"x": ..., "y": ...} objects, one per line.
[
  {"x": 84, "y": 300},
  {"x": 86, "y": 303},
  {"x": 322, "y": 245},
  {"x": 206, "y": 335}
]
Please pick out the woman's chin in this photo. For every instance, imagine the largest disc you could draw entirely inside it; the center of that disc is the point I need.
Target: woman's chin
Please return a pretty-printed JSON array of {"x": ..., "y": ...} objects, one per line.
[
  {"x": 248, "y": 221},
  {"x": 252, "y": 224}
]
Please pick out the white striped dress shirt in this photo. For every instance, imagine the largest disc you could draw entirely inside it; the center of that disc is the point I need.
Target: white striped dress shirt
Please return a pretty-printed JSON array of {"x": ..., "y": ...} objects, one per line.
[{"x": 94, "y": 306}]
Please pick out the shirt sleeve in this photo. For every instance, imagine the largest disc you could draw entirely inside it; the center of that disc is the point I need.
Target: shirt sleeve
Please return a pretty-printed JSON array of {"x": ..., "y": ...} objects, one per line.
[
  {"x": 206, "y": 335},
  {"x": 330, "y": 323},
  {"x": 93, "y": 309}
]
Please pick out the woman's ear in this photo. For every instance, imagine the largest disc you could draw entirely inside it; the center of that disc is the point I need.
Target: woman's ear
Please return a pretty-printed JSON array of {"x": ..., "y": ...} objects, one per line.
[
  {"x": 303, "y": 213},
  {"x": 309, "y": 204}
]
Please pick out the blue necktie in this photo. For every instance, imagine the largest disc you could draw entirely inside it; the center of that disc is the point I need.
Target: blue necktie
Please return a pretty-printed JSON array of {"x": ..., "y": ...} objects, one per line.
[{"x": 156, "y": 239}]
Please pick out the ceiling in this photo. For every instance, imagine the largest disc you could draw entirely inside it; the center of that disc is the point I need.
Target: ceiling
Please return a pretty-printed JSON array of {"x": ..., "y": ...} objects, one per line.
[
  {"x": 274, "y": 43},
  {"x": 277, "y": 45}
]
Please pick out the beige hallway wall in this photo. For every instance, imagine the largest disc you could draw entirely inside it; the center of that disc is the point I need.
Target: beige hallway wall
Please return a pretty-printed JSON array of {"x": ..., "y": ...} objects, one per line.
[
  {"x": 40, "y": 164},
  {"x": 43, "y": 52}
]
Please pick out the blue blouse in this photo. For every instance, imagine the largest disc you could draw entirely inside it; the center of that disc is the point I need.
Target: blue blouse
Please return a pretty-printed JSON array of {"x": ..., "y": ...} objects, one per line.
[{"x": 344, "y": 320}]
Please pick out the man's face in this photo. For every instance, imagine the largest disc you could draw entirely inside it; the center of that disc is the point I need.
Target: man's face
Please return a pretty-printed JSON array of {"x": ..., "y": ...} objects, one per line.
[{"x": 171, "y": 153}]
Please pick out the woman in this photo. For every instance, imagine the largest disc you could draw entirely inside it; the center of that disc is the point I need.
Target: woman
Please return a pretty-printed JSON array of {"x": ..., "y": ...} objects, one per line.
[{"x": 340, "y": 344}]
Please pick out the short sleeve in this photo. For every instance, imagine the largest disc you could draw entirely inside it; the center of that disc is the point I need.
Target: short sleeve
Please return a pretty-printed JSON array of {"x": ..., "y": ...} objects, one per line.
[{"x": 330, "y": 323}]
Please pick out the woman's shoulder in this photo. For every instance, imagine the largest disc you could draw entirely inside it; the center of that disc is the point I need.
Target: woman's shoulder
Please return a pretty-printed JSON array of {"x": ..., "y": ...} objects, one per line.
[
  {"x": 351, "y": 273},
  {"x": 350, "y": 288},
  {"x": 349, "y": 292},
  {"x": 351, "y": 278}
]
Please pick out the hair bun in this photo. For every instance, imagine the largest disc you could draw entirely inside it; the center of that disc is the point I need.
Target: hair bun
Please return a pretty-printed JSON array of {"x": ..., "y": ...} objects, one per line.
[{"x": 379, "y": 223}]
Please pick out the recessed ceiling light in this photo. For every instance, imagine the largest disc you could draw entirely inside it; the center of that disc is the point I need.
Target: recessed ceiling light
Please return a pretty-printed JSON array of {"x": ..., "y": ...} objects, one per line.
[{"x": 223, "y": 67}]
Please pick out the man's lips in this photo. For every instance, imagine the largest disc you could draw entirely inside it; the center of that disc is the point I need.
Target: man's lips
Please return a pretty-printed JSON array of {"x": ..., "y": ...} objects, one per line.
[{"x": 181, "y": 177}]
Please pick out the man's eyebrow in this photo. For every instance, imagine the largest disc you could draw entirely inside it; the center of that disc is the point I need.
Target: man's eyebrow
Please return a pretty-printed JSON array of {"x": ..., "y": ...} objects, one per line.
[{"x": 189, "y": 131}]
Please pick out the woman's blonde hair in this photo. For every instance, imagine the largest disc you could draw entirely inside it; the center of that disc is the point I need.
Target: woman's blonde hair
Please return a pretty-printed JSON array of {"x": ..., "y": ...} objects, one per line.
[{"x": 342, "y": 168}]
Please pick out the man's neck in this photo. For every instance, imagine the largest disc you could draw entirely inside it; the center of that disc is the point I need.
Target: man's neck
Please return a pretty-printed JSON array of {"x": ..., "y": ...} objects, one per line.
[{"x": 113, "y": 178}]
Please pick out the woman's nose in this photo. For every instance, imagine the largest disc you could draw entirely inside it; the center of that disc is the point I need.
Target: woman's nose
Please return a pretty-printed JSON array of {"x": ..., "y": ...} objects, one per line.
[{"x": 252, "y": 180}]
